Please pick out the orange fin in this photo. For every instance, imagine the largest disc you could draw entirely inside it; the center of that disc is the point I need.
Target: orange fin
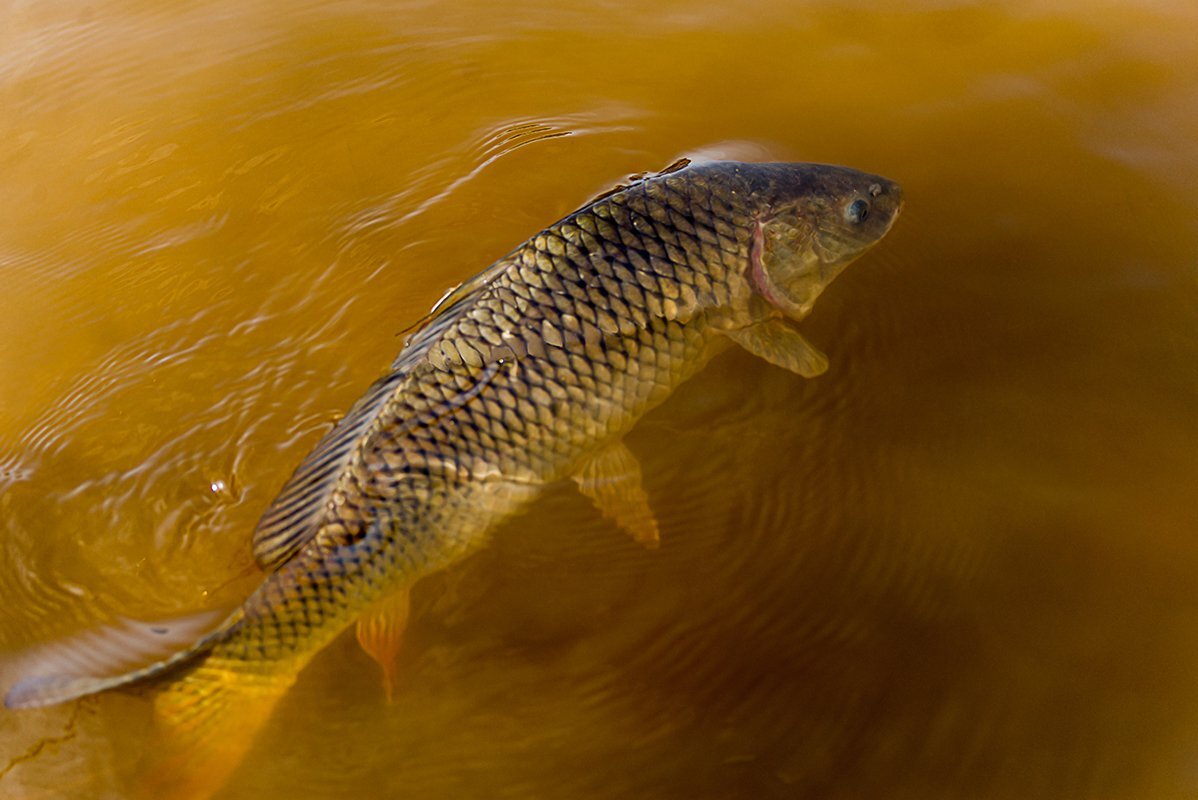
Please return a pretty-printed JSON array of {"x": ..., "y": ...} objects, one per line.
[
  {"x": 612, "y": 479},
  {"x": 206, "y": 721},
  {"x": 107, "y": 657},
  {"x": 380, "y": 632},
  {"x": 779, "y": 343}
]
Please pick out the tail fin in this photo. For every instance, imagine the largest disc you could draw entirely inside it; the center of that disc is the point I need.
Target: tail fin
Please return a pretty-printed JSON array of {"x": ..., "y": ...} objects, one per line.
[
  {"x": 207, "y": 712},
  {"x": 207, "y": 719},
  {"x": 108, "y": 657}
]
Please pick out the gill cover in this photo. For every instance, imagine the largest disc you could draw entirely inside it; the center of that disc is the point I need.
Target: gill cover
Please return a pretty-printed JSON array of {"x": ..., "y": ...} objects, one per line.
[{"x": 787, "y": 269}]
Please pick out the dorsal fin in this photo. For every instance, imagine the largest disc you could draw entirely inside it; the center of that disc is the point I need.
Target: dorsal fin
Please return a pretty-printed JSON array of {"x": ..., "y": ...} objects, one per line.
[
  {"x": 634, "y": 179},
  {"x": 681, "y": 163},
  {"x": 453, "y": 296},
  {"x": 293, "y": 518},
  {"x": 296, "y": 513}
]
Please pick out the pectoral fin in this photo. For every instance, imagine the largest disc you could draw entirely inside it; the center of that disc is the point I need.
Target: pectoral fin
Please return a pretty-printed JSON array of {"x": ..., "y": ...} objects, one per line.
[
  {"x": 612, "y": 479},
  {"x": 780, "y": 344},
  {"x": 380, "y": 632}
]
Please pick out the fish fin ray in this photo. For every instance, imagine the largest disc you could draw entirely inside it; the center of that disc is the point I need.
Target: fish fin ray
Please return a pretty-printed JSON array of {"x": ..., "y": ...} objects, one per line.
[
  {"x": 444, "y": 307},
  {"x": 681, "y": 163},
  {"x": 782, "y": 345},
  {"x": 380, "y": 632},
  {"x": 205, "y": 723},
  {"x": 104, "y": 658},
  {"x": 611, "y": 478},
  {"x": 640, "y": 177},
  {"x": 294, "y": 517}
]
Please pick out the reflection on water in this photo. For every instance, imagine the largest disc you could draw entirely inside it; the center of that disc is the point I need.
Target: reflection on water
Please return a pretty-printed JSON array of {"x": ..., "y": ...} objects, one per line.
[{"x": 958, "y": 565}]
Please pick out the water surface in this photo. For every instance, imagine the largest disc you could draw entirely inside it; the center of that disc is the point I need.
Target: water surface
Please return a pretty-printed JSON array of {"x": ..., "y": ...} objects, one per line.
[{"x": 960, "y": 564}]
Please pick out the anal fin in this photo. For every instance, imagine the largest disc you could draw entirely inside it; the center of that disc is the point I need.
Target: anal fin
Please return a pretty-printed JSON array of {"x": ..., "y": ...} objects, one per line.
[
  {"x": 611, "y": 478},
  {"x": 778, "y": 342},
  {"x": 380, "y": 633}
]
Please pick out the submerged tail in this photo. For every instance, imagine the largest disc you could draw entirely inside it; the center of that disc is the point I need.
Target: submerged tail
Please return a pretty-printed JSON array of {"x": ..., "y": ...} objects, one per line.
[
  {"x": 206, "y": 720},
  {"x": 207, "y": 710}
]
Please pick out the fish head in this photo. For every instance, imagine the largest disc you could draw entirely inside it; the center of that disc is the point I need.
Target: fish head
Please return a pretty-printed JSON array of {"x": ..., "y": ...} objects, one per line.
[{"x": 813, "y": 220}]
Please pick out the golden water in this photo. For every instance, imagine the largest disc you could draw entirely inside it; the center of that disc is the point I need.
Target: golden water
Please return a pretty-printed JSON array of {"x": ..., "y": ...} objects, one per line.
[{"x": 960, "y": 565}]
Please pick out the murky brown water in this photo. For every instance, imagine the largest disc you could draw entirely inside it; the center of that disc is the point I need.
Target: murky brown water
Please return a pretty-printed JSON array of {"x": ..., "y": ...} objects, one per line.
[{"x": 961, "y": 564}]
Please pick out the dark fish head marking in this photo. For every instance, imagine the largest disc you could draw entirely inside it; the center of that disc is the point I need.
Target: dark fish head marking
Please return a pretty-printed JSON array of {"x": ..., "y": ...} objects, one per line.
[{"x": 813, "y": 220}]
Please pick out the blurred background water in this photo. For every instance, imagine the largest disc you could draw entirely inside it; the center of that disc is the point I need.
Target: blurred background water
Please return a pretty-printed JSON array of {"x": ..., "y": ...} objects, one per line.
[{"x": 960, "y": 564}]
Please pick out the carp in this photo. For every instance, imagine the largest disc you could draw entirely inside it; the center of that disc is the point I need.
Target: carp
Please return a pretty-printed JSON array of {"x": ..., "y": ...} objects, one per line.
[{"x": 530, "y": 373}]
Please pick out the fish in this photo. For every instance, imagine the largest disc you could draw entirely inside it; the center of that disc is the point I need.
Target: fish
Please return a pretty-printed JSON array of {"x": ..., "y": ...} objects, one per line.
[{"x": 528, "y": 374}]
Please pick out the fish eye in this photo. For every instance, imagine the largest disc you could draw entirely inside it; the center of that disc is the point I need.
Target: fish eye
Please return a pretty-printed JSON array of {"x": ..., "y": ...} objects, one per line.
[{"x": 856, "y": 211}]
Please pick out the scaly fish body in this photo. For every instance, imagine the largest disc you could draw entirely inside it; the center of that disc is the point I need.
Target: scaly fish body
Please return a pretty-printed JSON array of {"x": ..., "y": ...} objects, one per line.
[{"x": 529, "y": 374}]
